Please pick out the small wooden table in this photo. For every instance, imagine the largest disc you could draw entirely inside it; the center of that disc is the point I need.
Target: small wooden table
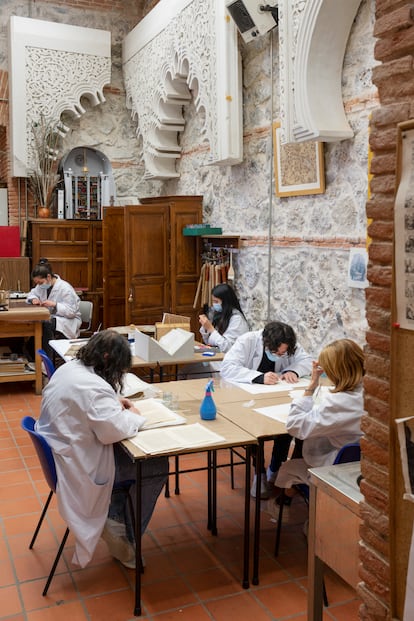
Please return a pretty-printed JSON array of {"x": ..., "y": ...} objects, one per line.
[
  {"x": 334, "y": 523},
  {"x": 24, "y": 321}
]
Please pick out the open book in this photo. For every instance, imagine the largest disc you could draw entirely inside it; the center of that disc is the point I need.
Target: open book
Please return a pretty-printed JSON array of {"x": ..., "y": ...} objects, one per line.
[
  {"x": 156, "y": 414},
  {"x": 165, "y": 440}
]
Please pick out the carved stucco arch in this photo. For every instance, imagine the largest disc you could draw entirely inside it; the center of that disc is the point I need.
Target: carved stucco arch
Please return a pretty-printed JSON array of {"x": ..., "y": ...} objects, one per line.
[
  {"x": 52, "y": 67},
  {"x": 313, "y": 38},
  {"x": 174, "y": 53}
]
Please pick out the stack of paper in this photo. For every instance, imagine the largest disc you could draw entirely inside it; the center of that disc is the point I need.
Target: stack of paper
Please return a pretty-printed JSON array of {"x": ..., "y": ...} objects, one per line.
[
  {"x": 282, "y": 386},
  {"x": 165, "y": 440},
  {"x": 157, "y": 414}
]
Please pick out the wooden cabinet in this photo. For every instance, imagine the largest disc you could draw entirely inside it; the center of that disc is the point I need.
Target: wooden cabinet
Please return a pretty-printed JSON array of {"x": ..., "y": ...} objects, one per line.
[
  {"x": 74, "y": 249},
  {"x": 150, "y": 267}
]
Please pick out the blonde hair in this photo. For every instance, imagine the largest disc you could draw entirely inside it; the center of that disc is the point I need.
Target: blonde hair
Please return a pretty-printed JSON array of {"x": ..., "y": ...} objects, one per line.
[{"x": 343, "y": 363}]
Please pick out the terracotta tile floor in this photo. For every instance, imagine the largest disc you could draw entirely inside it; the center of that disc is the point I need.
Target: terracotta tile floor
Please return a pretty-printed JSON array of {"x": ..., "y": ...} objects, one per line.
[{"x": 190, "y": 575}]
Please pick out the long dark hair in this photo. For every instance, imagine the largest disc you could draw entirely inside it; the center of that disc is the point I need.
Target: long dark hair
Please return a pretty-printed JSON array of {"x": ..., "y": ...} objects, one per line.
[
  {"x": 229, "y": 302},
  {"x": 42, "y": 269},
  {"x": 109, "y": 354}
]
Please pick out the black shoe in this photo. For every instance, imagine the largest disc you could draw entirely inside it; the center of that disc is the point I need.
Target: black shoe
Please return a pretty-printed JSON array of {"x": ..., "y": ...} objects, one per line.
[{"x": 287, "y": 500}]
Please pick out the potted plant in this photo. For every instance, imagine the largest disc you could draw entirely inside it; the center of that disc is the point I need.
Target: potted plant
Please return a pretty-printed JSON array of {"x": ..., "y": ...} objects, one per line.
[{"x": 43, "y": 176}]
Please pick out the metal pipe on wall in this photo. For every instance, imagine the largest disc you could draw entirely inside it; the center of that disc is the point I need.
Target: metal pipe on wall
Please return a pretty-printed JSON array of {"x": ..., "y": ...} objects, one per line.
[{"x": 270, "y": 225}]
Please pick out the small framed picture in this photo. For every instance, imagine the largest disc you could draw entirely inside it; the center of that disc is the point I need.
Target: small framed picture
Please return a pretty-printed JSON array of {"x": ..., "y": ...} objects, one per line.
[
  {"x": 299, "y": 167},
  {"x": 357, "y": 268}
]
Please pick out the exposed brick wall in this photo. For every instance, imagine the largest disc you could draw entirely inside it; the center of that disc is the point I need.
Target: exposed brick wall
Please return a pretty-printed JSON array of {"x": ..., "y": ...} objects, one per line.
[{"x": 394, "y": 78}]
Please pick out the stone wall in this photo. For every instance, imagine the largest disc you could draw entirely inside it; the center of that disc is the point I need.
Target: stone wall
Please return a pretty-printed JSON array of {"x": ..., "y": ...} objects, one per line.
[{"x": 299, "y": 275}]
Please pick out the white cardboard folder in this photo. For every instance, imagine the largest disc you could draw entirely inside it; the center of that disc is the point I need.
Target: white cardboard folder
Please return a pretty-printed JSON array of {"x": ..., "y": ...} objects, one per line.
[{"x": 176, "y": 345}]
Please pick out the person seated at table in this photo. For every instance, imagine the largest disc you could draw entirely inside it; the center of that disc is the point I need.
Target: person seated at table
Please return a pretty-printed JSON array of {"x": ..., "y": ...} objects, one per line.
[
  {"x": 82, "y": 418},
  {"x": 61, "y": 300},
  {"x": 327, "y": 424},
  {"x": 268, "y": 356},
  {"x": 220, "y": 326},
  {"x": 227, "y": 321}
]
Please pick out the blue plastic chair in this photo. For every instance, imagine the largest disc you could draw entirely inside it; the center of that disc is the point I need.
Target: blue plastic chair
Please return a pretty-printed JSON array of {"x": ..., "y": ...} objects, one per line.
[
  {"x": 47, "y": 462},
  {"x": 49, "y": 366}
]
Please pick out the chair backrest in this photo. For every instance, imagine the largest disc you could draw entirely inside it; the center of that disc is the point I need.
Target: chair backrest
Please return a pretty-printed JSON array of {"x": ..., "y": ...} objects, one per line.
[
  {"x": 349, "y": 452},
  {"x": 49, "y": 366},
  {"x": 43, "y": 450},
  {"x": 86, "y": 311}
]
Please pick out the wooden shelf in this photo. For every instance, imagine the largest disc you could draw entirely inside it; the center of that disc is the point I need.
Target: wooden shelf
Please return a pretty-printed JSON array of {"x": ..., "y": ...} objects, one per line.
[{"x": 223, "y": 241}]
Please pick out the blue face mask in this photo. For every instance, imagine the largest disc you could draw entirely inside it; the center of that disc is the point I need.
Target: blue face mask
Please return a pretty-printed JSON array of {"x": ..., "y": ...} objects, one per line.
[
  {"x": 45, "y": 285},
  {"x": 217, "y": 307},
  {"x": 273, "y": 357}
]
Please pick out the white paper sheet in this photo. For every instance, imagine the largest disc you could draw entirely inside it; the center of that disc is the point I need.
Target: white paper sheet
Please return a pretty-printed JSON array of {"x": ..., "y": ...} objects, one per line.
[
  {"x": 255, "y": 389},
  {"x": 156, "y": 441},
  {"x": 277, "y": 412}
]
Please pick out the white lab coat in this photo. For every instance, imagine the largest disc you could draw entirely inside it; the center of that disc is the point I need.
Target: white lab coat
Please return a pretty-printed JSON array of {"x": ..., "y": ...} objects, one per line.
[
  {"x": 68, "y": 317},
  {"x": 81, "y": 417},
  {"x": 324, "y": 427},
  {"x": 242, "y": 360},
  {"x": 237, "y": 326}
]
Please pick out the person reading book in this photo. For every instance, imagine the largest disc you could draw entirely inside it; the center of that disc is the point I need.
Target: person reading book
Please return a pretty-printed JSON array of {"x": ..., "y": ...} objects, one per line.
[{"x": 83, "y": 418}]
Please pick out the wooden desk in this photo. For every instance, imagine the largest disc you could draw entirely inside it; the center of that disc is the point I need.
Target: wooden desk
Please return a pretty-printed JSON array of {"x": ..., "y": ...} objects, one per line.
[
  {"x": 233, "y": 436},
  {"x": 24, "y": 321},
  {"x": 238, "y": 406},
  {"x": 334, "y": 500}
]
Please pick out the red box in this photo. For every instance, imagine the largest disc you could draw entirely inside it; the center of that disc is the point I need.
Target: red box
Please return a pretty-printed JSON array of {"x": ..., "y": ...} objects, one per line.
[{"x": 9, "y": 241}]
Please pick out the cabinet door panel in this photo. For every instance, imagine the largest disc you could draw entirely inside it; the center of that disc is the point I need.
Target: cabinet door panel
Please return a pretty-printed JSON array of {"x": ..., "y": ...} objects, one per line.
[
  {"x": 147, "y": 249},
  {"x": 114, "y": 291}
]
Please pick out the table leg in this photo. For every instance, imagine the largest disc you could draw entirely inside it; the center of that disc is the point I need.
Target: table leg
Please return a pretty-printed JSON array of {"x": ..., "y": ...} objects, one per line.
[
  {"x": 138, "y": 552},
  {"x": 177, "y": 476},
  {"x": 38, "y": 360},
  {"x": 209, "y": 491},
  {"x": 214, "y": 493},
  {"x": 315, "y": 565},
  {"x": 246, "y": 547},
  {"x": 256, "y": 541}
]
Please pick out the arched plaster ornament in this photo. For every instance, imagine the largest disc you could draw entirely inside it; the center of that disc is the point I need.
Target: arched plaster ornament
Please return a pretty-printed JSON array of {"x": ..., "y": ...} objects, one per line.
[
  {"x": 52, "y": 66},
  {"x": 312, "y": 40},
  {"x": 182, "y": 50}
]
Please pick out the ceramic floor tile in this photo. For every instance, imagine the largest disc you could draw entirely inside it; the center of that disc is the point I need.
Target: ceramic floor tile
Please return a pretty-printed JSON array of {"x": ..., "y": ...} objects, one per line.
[{"x": 190, "y": 574}]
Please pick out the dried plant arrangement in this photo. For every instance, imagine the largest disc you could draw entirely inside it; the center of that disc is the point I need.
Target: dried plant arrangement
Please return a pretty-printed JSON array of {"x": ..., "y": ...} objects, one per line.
[{"x": 43, "y": 176}]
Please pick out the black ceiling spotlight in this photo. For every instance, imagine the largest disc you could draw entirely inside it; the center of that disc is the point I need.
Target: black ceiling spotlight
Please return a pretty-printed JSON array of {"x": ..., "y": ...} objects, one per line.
[{"x": 252, "y": 17}]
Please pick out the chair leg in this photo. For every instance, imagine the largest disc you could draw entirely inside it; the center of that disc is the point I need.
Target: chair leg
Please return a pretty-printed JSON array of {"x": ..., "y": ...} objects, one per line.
[
  {"x": 49, "y": 498},
  {"x": 58, "y": 555},
  {"x": 279, "y": 522}
]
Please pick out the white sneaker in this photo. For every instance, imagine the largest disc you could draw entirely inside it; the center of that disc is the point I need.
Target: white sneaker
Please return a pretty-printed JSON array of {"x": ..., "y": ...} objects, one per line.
[
  {"x": 264, "y": 492},
  {"x": 271, "y": 476},
  {"x": 118, "y": 545}
]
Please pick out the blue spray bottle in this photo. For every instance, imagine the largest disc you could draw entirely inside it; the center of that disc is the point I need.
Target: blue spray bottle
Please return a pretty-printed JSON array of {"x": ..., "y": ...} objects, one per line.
[{"x": 208, "y": 408}]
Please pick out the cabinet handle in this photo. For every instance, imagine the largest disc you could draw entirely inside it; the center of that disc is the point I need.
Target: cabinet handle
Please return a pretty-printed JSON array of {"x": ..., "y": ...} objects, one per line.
[{"x": 130, "y": 297}]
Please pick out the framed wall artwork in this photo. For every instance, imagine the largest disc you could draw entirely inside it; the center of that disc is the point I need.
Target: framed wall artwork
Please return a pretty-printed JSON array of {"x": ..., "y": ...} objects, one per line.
[
  {"x": 404, "y": 227},
  {"x": 299, "y": 167}
]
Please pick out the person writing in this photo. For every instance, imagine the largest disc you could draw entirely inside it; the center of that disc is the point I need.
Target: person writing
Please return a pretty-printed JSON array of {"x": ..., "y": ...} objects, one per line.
[
  {"x": 82, "y": 418},
  {"x": 228, "y": 321},
  {"x": 268, "y": 356},
  {"x": 335, "y": 421},
  {"x": 61, "y": 300}
]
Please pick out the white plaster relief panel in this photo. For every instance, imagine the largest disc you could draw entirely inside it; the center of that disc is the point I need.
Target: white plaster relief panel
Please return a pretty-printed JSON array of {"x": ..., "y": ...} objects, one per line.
[
  {"x": 179, "y": 51},
  {"x": 313, "y": 34},
  {"x": 52, "y": 66}
]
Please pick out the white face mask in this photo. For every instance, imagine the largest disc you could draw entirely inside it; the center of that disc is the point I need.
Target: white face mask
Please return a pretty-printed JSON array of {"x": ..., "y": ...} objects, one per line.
[
  {"x": 217, "y": 307},
  {"x": 45, "y": 285}
]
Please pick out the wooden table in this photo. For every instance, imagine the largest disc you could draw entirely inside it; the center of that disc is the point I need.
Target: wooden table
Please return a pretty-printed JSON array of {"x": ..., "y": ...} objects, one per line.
[
  {"x": 238, "y": 406},
  {"x": 334, "y": 522},
  {"x": 24, "y": 321},
  {"x": 233, "y": 436}
]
